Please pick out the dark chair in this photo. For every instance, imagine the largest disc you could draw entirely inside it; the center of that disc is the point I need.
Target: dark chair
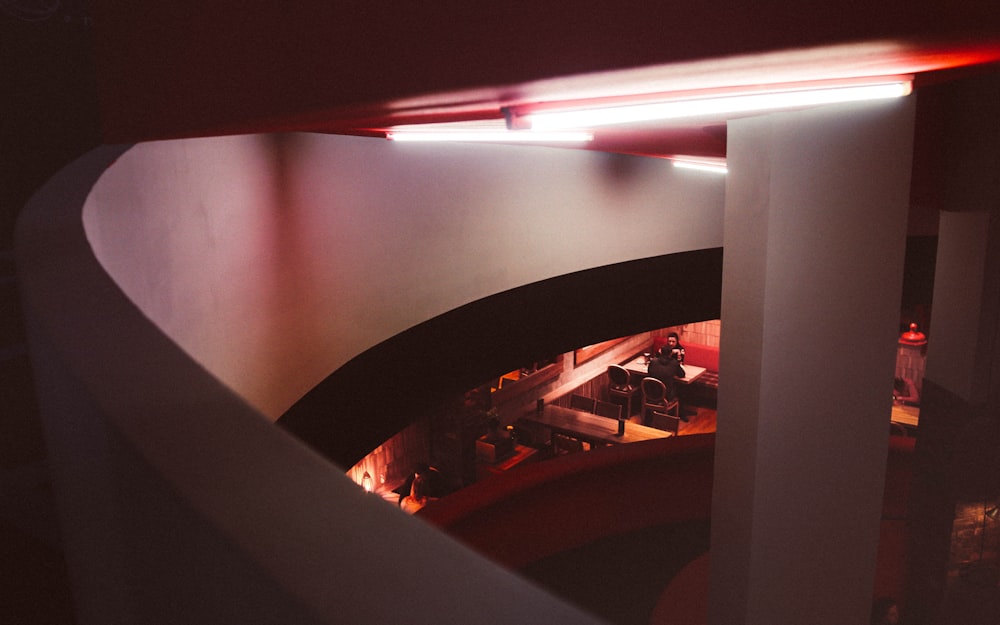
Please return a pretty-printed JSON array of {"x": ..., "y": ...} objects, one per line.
[
  {"x": 532, "y": 434},
  {"x": 665, "y": 422},
  {"x": 608, "y": 409},
  {"x": 620, "y": 389},
  {"x": 579, "y": 402},
  {"x": 654, "y": 399}
]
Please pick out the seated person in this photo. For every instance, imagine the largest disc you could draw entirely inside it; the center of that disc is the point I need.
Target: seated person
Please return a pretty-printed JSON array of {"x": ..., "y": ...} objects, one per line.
[
  {"x": 419, "y": 496},
  {"x": 494, "y": 433},
  {"x": 434, "y": 482},
  {"x": 675, "y": 348},
  {"x": 904, "y": 391},
  {"x": 665, "y": 368}
]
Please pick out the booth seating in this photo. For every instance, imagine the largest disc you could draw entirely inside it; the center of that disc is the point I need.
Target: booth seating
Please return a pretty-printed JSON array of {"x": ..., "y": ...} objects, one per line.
[{"x": 704, "y": 390}]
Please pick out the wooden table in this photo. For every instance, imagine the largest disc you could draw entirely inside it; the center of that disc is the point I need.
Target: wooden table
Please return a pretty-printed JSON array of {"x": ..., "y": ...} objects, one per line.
[
  {"x": 906, "y": 415},
  {"x": 638, "y": 366},
  {"x": 591, "y": 428}
]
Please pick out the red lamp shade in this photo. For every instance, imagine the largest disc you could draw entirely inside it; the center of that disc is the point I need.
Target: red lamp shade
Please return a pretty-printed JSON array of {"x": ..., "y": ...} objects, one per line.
[{"x": 913, "y": 337}]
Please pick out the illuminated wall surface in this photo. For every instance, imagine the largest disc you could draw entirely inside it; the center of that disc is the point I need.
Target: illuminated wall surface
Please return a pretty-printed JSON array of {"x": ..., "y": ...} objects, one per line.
[
  {"x": 181, "y": 503},
  {"x": 270, "y": 261},
  {"x": 273, "y": 260}
]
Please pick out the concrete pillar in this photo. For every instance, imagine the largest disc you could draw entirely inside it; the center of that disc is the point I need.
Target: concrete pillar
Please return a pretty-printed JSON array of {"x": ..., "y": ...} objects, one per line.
[
  {"x": 815, "y": 230},
  {"x": 959, "y": 358}
]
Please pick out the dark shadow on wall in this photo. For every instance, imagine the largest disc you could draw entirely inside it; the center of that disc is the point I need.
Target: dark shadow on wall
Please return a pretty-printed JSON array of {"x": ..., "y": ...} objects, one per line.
[{"x": 393, "y": 384}]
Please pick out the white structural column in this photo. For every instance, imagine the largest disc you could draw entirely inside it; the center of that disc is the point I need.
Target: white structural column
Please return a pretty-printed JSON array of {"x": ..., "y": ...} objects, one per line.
[
  {"x": 815, "y": 230},
  {"x": 960, "y": 358}
]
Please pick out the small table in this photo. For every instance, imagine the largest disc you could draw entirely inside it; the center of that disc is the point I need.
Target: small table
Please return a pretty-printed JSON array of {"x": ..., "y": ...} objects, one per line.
[
  {"x": 638, "y": 366},
  {"x": 591, "y": 428},
  {"x": 905, "y": 415}
]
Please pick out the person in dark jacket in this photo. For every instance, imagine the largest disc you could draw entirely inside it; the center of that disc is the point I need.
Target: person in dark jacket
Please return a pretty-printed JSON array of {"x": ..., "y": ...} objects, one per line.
[
  {"x": 674, "y": 347},
  {"x": 665, "y": 368}
]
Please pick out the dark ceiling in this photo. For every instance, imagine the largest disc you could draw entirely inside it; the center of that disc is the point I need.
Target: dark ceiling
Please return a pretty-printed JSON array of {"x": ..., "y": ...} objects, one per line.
[{"x": 122, "y": 72}]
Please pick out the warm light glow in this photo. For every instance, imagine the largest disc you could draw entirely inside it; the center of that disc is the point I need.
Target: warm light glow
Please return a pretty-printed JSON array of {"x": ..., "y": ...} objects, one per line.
[
  {"x": 366, "y": 482},
  {"x": 716, "y": 166},
  {"x": 676, "y": 109},
  {"x": 495, "y": 136}
]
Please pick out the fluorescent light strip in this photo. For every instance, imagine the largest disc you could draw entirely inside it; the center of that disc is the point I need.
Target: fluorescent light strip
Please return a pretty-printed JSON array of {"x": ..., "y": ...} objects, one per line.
[
  {"x": 588, "y": 118},
  {"x": 715, "y": 168},
  {"x": 495, "y": 136}
]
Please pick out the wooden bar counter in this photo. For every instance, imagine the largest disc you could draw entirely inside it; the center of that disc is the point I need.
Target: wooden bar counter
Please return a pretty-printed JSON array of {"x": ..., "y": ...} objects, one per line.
[{"x": 591, "y": 428}]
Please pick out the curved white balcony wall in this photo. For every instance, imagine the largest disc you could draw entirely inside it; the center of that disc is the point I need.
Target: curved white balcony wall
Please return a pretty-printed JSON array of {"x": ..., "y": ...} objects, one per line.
[
  {"x": 274, "y": 259},
  {"x": 180, "y": 503}
]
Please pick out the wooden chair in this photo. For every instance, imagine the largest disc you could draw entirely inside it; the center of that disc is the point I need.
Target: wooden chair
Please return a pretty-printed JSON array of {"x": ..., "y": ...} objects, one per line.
[
  {"x": 654, "y": 399},
  {"x": 608, "y": 409},
  {"x": 620, "y": 389},
  {"x": 665, "y": 422},
  {"x": 579, "y": 402}
]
